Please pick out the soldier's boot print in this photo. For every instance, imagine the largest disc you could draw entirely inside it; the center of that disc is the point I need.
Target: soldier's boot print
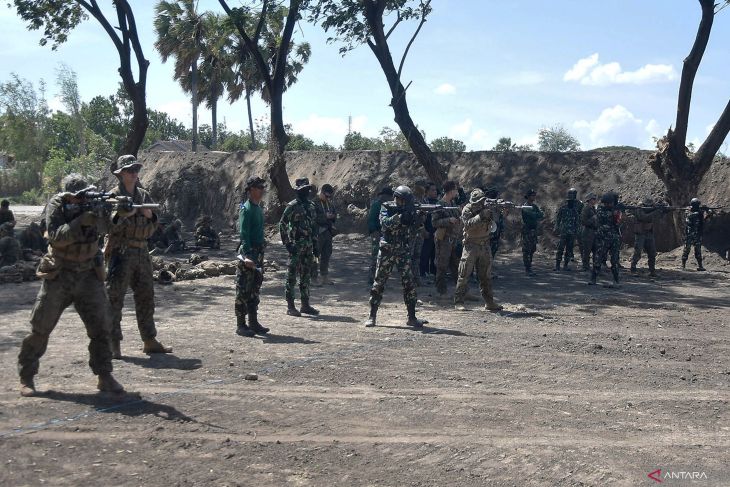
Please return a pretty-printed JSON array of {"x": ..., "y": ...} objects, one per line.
[
  {"x": 253, "y": 322},
  {"x": 291, "y": 309},
  {"x": 27, "y": 386},
  {"x": 307, "y": 309},
  {"x": 116, "y": 348},
  {"x": 242, "y": 328},
  {"x": 153, "y": 345},
  {"x": 370, "y": 322},
  {"x": 699, "y": 264},
  {"x": 107, "y": 383},
  {"x": 412, "y": 320}
]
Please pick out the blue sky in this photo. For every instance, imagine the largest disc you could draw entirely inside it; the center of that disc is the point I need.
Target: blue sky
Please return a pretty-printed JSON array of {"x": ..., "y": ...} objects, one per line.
[{"x": 606, "y": 70}]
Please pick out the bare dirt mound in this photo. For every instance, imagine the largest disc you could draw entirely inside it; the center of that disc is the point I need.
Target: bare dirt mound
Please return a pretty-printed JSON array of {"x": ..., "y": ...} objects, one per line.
[{"x": 190, "y": 184}]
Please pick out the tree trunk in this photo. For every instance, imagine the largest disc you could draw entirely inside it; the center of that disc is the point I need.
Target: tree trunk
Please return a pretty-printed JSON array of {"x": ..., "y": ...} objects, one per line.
[
  {"x": 250, "y": 120},
  {"x": 277, "y": 145},
  {"x": 379, "y": 46},
  {"x": 194, "y": 86},
  {"x": 214, "y": 129}
]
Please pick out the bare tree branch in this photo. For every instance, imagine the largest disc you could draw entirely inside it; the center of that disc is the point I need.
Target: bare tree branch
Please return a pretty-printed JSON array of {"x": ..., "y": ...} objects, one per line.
[
  {"x": 415, "y": 34},
  {"x": 262, "y": 22},
  {"x": 706, "y": 153},
  {"x": 397, "y": 21}
]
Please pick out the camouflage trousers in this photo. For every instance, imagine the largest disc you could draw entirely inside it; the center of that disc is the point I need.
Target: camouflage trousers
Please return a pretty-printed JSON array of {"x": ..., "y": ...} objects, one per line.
[
  {"x": 607, "y": 246},
  {"x": 475, "y": 256},
  {"x": 132, "y": 269},
  {"x": 588, "y": 247},
  {"x": 86, "y": 292},
  {"x": 324, "y": 244},
  {"x": 446, "y": 261},
  {"x": 300, "y": 262},
  {"x": 402, "y": 261},
  {"x": 248, "y": 287},
  {"x": 417, "y": 247},
  {"x": 529, "y": 246},
  {"x": 494, "y": 246},
  {"x": 689, "y": 244},
  {"x": 644, "y": 241},
  {"x": 565, "y": 244},
  {"x": 374, "y": 249}
]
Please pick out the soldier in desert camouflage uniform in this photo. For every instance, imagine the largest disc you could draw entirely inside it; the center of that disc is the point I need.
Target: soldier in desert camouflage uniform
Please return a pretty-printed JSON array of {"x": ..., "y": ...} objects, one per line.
[
  {"x": 447, "y": 223},
  {"x": 128, "y": 261},
  {"x": 72, "y": 272}
]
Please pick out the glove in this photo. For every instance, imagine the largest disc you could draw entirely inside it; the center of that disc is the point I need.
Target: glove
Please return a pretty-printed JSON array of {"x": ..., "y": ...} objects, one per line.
[{"x": 290, "y": 247}]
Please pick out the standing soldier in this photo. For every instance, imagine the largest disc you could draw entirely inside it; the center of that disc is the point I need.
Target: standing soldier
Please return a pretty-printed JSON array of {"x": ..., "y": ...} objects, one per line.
[
  {"x": 72, "y": 273},
  {"x": 566, "y": 226},
  {"x": 694, "y": 228},
  {"x": 447, "y": 223},
  {"x": 398, "y": 223},
  {"x": 589, "y": 222},
  {"x": 326, "y": 218},
  {"x": 644, "y": 220},
  {"x": 128, "y": 260},
  {"x": 608, "y": 237},
  {"x": 250, "y": 271},
  {"x": 530, "y": 221},
  {"x": 6, "y": 215},
  {"x": 477, "y": 220},
  {"x": 374, "y": 229},
  {"x": 299, "y": 235}
]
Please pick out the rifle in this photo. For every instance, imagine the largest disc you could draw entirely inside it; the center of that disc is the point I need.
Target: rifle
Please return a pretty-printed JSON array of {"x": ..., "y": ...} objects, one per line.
[
  {"x": 422, "y": 207},
  {"x": 669, "y": 208},
  {"x": 99, "y": 200},
  {"x": 500, "y": 203}
]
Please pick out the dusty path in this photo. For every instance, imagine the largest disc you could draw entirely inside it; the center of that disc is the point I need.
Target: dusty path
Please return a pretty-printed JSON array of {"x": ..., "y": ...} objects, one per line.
[{"x": 571, "y": 385}]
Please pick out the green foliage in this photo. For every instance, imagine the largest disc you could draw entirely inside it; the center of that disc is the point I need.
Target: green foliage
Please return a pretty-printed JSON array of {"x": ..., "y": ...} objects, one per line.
[
  {"x": 447, "y": 144},
  {"x": 556, "y": 139},
  {"x": 357, "y": 141},
  {"x": 56, "y": 18},
  {"x": 505, "y": 144}
]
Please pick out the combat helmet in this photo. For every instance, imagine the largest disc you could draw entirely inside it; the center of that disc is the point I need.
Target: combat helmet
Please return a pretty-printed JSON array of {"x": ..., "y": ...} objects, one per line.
[
  {"x": 572, "y": 194},
  {"x": 403, "y": 192},
  {"x": 476, "y": 196},
  {"x": 695, "y": 203}
]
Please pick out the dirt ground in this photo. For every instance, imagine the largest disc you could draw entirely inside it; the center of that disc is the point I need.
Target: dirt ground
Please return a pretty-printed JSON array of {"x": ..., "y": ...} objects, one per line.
[{"x": 570, "y": 385}]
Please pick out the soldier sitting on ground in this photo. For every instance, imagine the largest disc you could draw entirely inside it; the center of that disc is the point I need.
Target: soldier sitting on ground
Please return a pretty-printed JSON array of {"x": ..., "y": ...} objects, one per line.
[
  {"x": 32, "y": 239},
  {"x": 5, "y": 214},
  {"x": 9, "y": 247},
  {"x": 205, "y": 235}
]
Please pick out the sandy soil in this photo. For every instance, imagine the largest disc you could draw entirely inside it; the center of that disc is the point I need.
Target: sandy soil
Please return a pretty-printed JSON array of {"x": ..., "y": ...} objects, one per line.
[{"x": 570, "y": 385}]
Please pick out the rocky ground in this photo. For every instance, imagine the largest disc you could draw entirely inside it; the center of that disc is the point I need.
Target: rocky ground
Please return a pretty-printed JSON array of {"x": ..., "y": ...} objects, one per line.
[{"x": 570, "y": 385}]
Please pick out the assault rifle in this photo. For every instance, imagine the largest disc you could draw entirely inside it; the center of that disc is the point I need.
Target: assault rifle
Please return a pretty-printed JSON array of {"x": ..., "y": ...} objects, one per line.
[
  {"x": 422, "y": 207},
  {"x": 669, "y": 208},
  {"x": 98, "y": 200},
  {"x": 500, "y": 203}
]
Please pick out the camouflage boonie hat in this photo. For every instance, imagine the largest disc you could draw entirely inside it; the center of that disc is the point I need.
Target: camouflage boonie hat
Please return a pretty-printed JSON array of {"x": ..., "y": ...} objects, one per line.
[
  {"x": 255, "y": 182},
  {"x": 124, "y": 162},
  {"x": 591, "y": 196},
  {"x": 302, "y": 183}
]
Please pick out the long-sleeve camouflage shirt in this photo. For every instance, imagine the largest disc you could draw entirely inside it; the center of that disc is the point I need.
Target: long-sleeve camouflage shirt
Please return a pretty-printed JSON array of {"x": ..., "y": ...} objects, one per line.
[
  {"x": 567, "y": 218},
  {"x": 298, "y": 226},
  {"x": 396, "y": 237}
]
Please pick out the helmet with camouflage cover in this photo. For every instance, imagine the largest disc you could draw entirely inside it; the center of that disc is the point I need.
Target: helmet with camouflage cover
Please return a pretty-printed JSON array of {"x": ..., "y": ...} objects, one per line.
[
  {"x": 75, "y": 183},
  {"x": 476, "y": 196}
]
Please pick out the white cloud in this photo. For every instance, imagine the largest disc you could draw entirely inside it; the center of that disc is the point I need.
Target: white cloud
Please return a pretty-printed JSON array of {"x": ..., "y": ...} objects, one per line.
[
  {"x": 480, "y": 140},
  {"x": 589, "y": 71},
  {"x": 445, "y": 89},
  {"x": 617, "y": 126},
  {"x": 329, "y": 129},
  {"x": 461, "y": 130}
]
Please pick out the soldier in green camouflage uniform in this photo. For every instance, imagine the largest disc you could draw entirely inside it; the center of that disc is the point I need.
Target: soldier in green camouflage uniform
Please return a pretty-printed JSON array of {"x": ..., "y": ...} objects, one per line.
[
  {"x": 250, "y": 271},
  {"x": 608, "y": 237},
  {"x": 128, "y": 261},
  {"x": 694, "y": 228},
  {"x": 589, "y": 224},
  {"x": 326, "y": 217},
  {"x": 566, "y": 227},
  {"x": 398, "y": 223},
  {"x": 477, "y": 253},
  {"x": 72, "y": 273},
  {"x": 298, "y": 231},
  {"x": 530, "y": 221},
  {"x": 447, "y": 223},
  {"x": 374, "y": 229}
]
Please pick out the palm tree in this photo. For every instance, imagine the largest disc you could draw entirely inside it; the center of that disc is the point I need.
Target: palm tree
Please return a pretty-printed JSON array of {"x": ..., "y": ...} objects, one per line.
[{"x": 180, "y": 33}]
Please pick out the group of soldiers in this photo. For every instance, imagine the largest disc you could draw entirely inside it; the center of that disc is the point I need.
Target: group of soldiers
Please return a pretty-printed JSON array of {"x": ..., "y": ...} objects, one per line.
[{"x": 466, "y": 230}]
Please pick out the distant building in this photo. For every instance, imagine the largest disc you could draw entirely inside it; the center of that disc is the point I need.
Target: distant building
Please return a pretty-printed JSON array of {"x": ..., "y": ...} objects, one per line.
[{"x": 175, "y": 146}]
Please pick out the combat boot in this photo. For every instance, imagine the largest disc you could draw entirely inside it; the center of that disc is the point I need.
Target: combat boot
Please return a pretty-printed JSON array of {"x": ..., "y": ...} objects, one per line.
[
  {"x": 699, "y": 265},
  {"x": 326, "y": 280},
  {"x": 412, "y": 320},
  {"x": 616, "y": 283},
  {"x": 107, "y": 383},
  {"x": 557, "y": 266},
  {"x": 27, "y": 387},
  {"x": 684, "y": 263},
  {"x": 633, "y": 268},
  {"x": 291, "y": 310},
  {"x": 493, "y": 306},
  {"x": 116, "y": 349},
  {"x": 307, "y": 309},
  {"x": 594, "y": 276},
  {"x": 152, "y": 345},
  {"x": 242, "y": 329},
  {"x": 370, "y": 322},
  {"x": 253, "y": 323},
  {"x": 565, "y": 266}
]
